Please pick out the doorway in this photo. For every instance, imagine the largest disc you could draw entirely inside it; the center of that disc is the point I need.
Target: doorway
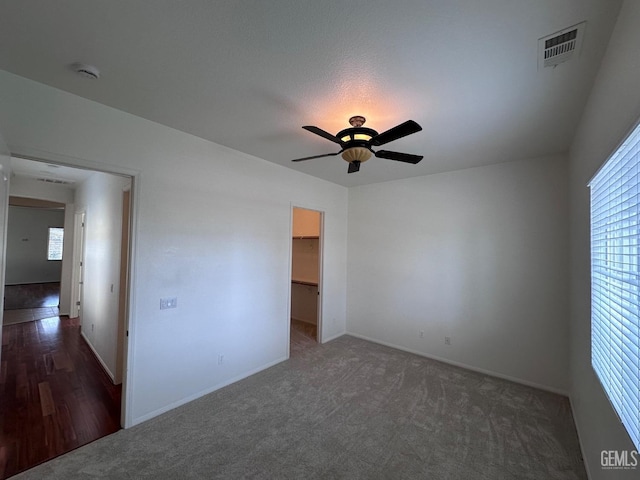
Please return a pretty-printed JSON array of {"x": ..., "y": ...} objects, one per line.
[
  {"x": 34, "y": 261},
  {"x": 75, "y": 353},
  {"x": 306, "y": 276}
]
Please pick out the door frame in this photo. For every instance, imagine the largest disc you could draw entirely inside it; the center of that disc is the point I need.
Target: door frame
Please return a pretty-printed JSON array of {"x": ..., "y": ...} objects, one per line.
[
  {"x": 5, "y": 184},
  {"x": 130, "y": 324},
  {"x": 123, "y": 297},
  {"x": 320, "y": 270},
  {"x": 78, "y": 263}
]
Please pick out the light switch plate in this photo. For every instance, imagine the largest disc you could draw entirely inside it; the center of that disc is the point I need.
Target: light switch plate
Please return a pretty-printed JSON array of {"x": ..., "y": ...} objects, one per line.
[{"x": 168, "y": 302}]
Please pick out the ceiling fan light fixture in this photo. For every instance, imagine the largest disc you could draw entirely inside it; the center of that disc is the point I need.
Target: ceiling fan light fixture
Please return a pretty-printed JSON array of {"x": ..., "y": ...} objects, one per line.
[
  {"x": 356, "y": 142},
  {"x": 359, "y": 154},
  {"x": 365, "y": 137}
]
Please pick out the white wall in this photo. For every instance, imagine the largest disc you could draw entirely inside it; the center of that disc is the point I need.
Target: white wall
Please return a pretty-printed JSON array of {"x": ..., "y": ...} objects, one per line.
[
  {"x": 100, "y": 198},
  {"x": 612, "y": 110},
  {"x": 28, "y": 188},
  {"x": 27, "y": 240},
  {"x": 212, "y": 227},
  {"x": 477, "y": 255}
]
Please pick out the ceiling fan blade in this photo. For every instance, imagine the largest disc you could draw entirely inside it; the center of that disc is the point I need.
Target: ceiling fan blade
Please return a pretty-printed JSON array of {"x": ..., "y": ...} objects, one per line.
[
  {"x": 315, "y": 156},
  {"x": 354, "y": 166},
  {"x": 399, "y": 131},
  {"x": 400, "y": 157},
  {"x": 322, "y": 133}
]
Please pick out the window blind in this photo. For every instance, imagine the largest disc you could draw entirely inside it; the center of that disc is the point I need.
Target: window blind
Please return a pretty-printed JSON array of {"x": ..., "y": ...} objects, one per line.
[
  {"x": 615, "y": 281},
  {"x": 55, "y": 244}
]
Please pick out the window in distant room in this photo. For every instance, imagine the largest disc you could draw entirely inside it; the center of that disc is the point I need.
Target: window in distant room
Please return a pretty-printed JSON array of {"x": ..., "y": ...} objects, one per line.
[
  {"x": 54, "y": 245},
  {"x": 615, "y": 281}
]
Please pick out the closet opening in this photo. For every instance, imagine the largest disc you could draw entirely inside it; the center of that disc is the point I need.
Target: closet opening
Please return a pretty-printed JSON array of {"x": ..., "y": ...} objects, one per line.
[{"x": 306, "y": 273}]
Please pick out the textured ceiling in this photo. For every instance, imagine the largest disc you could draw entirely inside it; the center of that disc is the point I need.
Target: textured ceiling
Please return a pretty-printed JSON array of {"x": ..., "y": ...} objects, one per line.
[{"x": 249, "y": 74}]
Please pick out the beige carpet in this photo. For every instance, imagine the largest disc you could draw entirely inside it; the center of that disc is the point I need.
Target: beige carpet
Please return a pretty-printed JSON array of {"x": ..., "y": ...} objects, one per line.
[
  {"x": 347, "y": 409},
  {"x": 303, "y": 336}
]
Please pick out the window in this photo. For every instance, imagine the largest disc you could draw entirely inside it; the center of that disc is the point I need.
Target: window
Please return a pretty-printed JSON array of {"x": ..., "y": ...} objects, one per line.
[
  {"x": 615, "y": 281},
  {"x": 54, "y": 245}
]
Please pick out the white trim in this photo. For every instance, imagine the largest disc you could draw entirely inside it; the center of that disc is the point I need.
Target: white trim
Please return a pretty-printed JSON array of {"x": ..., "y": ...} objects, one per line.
[
  {"x": 202, "y": 393},
  {"x": 320, "y": 299},
  {"x": 333, "y": 337},
  {"x": 95, "y": 353},
  {"x": 615, "y": 149},
  {"x": 303, "y": 321},
  {"x": 319, "y": 309},
  {"x": 5, "y": 178},
  {"x": 127, "y": 419},
  {"x": 491, "y": 373},
  {"x": 289, "y": 277},
  {"x": 77, "y": 257},
  {"x": 575, "y": 422}
]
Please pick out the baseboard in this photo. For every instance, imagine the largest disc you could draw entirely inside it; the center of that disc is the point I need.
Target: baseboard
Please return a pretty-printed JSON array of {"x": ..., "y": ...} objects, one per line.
[
  {"x": 95, "y": 354},
  {"x": 333, "y": 337},
  {"x": 464, "y": 365},
  {"x": 202, "y": 393},
  {"x": 304, "y": 321},
  {"x": 584, "y": 457}
]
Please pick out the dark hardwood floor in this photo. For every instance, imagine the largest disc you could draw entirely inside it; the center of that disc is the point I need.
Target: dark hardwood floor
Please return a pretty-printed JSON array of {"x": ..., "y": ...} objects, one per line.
[
  {"x": 54, "y": 395},
  {"x": 31, "y": 295}
]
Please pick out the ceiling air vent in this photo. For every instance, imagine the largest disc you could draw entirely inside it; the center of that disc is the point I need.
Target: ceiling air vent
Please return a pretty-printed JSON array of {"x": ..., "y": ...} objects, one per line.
[
  {"x": 560, "y": 46},
  {"x": 54, "y": 180}
]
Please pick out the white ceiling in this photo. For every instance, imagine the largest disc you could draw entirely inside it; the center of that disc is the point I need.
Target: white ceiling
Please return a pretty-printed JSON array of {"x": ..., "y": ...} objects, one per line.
[{"x": 248, "y": 74}]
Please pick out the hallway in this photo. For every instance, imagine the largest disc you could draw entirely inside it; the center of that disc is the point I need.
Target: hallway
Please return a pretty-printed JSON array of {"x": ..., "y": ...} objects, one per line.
[{"x": 54, "y": 395}]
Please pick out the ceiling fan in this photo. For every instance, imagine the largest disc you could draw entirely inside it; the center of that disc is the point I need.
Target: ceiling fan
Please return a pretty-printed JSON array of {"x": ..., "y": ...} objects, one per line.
[{"x": 356, "y": 142}]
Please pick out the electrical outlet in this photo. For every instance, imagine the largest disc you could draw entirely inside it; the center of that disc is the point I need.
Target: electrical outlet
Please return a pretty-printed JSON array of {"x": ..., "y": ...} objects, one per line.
[
  {"x": 447, "y": 340},
  {"x": 168, "y": 302},
  {"x": 421, "y": 334}
]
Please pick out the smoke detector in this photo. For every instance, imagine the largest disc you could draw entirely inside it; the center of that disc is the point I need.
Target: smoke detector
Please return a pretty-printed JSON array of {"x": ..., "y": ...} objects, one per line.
[
  {"x": 87, "y": 71},
  {"x": 561, "y": 46}
]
